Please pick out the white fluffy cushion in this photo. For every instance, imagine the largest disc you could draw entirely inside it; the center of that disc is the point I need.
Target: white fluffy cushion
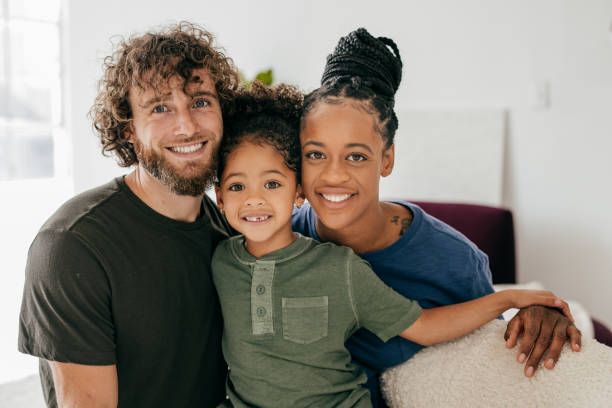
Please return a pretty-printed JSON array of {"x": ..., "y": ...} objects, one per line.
[{"x": 478, "y": 370}]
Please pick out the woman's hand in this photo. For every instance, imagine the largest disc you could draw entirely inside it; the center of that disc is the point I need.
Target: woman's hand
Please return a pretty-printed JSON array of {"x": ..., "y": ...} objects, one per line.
[{"x": 521, "y": 298}]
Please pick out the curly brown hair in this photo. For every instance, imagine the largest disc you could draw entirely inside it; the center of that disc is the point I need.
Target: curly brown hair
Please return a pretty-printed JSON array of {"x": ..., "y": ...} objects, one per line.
[
  {"x": 264, "y": 115},
  {"x": 149, "y": 61}
]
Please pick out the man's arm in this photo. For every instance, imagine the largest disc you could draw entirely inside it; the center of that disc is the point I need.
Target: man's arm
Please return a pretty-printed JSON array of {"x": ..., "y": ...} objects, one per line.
[
  {"x": 542, "y": 329},
  {"x": 83, "y": 386},
  {"x": 66, "y": 316}
]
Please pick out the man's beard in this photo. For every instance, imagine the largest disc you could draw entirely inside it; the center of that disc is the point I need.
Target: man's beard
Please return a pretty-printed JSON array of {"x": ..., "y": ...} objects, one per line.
[{"x": 160, "y": 168}]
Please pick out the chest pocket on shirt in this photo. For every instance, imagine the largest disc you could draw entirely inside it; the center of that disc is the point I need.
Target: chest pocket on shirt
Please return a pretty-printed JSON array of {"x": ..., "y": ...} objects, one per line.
[{"x": 305, "y": 319}]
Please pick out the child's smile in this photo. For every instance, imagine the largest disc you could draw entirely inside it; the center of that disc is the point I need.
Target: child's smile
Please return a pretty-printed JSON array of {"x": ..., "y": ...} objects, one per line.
[
  {"x": 257, "y": 193},
  {"x": 257, "y": 218}
]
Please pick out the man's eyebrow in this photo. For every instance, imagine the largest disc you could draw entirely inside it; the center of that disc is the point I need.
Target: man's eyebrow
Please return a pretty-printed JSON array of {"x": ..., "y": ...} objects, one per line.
[
  {"x": 203, "y": 93},
  {"x": 160, "y": 98},
  {"x": 154, "y": 100}
]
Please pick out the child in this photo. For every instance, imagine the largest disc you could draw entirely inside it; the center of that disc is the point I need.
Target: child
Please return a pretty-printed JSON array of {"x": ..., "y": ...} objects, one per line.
[{"x": 289, "y": 303}]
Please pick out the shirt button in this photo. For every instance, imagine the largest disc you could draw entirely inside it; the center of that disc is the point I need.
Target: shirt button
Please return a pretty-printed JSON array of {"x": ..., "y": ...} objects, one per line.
[
  {"x": 261, "y": 311},
  {"x": 261, "y": 289}
]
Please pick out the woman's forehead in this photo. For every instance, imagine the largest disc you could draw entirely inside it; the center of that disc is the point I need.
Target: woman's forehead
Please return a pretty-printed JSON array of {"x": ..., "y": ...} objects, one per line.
[{"x": 330, "y": 121}]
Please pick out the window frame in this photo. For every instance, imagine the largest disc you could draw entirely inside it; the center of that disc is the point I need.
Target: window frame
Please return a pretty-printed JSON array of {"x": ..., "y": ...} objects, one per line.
[{"x": 57, "y": 124}]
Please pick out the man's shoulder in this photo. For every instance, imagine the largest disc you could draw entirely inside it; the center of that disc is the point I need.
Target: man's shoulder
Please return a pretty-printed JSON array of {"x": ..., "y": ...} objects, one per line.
[
  {"x": 74, "y": 226},
  {"x": 82, "y": 206},
  {"x": 216, "y": 217}
]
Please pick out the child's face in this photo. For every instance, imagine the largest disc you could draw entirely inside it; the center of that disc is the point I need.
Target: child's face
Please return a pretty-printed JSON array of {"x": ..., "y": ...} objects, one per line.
[{"x": 257, "y": 193}]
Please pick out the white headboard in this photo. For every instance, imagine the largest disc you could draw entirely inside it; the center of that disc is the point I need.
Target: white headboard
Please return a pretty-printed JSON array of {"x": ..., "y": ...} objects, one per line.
[{"x": 448, "y": 156}]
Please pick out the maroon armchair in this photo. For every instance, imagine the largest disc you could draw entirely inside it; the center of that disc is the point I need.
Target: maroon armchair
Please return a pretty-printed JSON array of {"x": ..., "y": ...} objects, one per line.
[{"x": 492, "y": 230}]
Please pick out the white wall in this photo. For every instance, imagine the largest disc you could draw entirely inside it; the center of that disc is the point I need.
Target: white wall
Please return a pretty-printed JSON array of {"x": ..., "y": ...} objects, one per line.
[
  {"x": 24, "y": 207},
  {"x": 468, "y": 54},
  {"x": 457, "y": 55}
]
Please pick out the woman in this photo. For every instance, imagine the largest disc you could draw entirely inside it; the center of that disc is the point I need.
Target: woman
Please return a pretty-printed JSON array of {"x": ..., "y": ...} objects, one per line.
[{"x": 348, "y": 125}]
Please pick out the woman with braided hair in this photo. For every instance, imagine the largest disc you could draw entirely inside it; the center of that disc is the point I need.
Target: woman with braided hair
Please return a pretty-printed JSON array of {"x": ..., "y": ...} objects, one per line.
[{"x": 347, "y": 131}]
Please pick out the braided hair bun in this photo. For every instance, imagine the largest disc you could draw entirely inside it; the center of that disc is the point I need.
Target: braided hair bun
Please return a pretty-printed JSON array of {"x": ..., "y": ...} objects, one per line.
[
  {"x": 366, "y": 70},
  {"x": 365, "y": 60}
]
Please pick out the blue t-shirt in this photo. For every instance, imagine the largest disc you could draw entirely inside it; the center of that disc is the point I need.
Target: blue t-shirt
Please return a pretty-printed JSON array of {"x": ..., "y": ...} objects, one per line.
[{"x": 431, "y": 263}]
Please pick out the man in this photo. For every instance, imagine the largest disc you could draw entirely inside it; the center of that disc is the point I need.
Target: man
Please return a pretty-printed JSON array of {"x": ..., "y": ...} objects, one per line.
[{"x": 118, "y": 301}]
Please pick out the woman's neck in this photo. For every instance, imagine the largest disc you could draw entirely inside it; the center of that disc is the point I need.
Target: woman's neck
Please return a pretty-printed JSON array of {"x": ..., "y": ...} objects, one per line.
[{"x": 375, "y": 230}]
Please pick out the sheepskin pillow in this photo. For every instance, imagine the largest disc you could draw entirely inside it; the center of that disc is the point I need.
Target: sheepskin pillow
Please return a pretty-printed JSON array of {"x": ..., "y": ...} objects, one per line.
[{"x": 477, "y": 370}]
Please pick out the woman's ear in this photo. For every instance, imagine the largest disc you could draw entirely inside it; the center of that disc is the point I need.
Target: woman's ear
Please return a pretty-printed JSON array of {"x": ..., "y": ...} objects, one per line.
[
  {"x": 299, "y": 196},
  {"x": 219, "y": 195},
  {"x": 387, "y": 161}
]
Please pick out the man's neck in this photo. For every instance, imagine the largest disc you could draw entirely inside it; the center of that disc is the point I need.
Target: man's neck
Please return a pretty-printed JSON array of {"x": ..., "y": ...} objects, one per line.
[{"x": 161, "y": 199}]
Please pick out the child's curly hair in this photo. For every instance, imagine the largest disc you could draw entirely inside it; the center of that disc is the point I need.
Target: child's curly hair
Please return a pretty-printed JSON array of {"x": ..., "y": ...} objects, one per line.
[
  {"x": 264, "y": 115},
  {"x": 150, "y": 60}
]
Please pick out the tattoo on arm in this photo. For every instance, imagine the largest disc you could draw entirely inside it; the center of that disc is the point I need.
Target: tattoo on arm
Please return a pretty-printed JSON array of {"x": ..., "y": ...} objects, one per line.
[{"x": 395, "y": 219}]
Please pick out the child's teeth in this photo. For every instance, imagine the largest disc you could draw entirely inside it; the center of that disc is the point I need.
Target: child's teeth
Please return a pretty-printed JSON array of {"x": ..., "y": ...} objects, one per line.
[
  {"x": 256, "y": 219},
  {"x": 336, "y": 197},
  {"x": 187, "y": 149}
]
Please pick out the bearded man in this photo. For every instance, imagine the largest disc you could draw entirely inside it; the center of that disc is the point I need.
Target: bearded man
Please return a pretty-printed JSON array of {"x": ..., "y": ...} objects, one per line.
[{"x": 118, "y": 302}]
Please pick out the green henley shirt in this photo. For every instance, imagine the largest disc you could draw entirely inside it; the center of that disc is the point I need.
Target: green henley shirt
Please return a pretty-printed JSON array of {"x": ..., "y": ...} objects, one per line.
[{"x": 286, "y": 318}]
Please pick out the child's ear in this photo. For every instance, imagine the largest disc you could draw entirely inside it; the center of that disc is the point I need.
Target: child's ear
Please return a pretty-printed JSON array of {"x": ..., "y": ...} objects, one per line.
[
  {"x": 299, "y": 196},
  {"x": 219, "y": 196}
]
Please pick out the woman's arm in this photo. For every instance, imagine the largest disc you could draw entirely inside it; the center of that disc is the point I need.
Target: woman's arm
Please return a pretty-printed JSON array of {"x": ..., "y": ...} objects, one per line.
[{"x": 448, "y": 322}]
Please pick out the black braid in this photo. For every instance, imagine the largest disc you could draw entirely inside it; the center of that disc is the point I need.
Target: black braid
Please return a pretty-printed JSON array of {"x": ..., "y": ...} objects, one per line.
[
  {"x": 367, "y": 69},
  {"x": 264, "y": 115}
]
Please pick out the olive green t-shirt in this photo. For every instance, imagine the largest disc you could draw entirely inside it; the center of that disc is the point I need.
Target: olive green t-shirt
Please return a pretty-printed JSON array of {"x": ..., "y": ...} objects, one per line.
[{"x": 287, "y": 316}]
